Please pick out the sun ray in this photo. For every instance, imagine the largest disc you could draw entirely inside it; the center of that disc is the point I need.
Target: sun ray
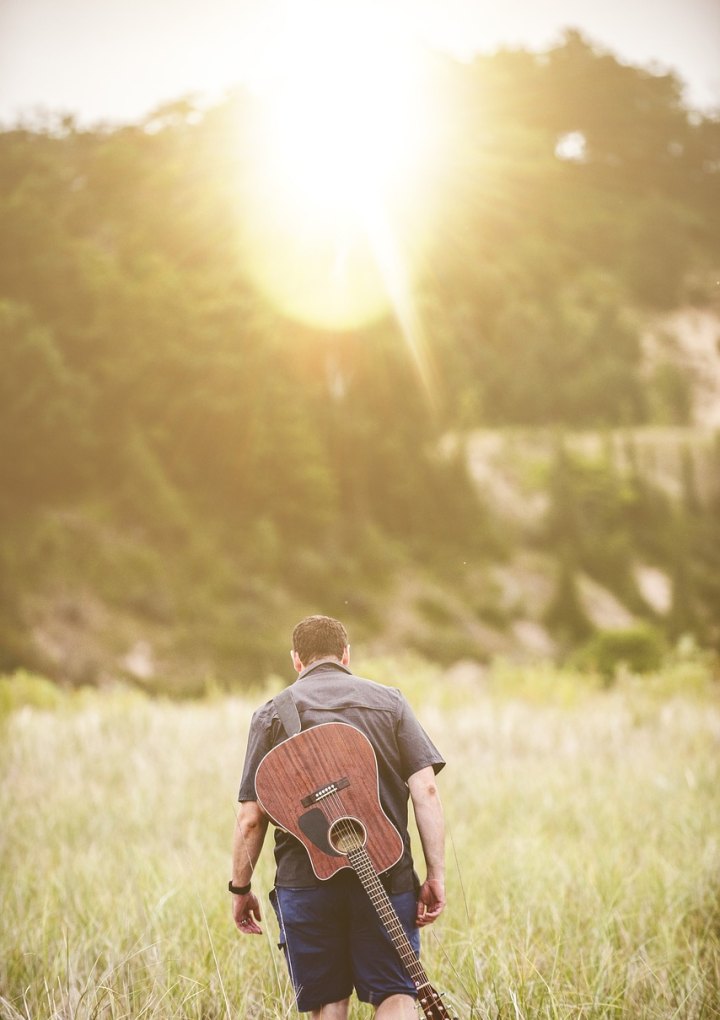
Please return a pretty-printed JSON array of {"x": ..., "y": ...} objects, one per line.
[{"x": 399, "y": 289}]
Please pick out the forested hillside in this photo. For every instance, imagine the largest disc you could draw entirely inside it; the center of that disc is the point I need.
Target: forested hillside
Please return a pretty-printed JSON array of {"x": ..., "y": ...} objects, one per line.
[{"x": 185, "y": 469}]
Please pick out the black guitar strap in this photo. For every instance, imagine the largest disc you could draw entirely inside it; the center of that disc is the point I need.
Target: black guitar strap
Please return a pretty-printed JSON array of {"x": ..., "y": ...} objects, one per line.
[{"x": 287, "y": 712}]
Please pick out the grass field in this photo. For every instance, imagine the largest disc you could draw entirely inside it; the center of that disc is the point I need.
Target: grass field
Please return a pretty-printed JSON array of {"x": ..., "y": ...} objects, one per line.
[{"x": 584, "y": 855}]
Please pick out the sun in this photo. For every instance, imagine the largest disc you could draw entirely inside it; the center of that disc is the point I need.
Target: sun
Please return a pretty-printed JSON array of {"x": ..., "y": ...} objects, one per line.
[
  {"x": 343, "y": 123},
  {"x": 341, "y": 148}
]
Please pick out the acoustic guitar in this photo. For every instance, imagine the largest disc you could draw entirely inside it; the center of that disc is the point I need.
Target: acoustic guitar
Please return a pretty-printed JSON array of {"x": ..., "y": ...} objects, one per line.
[{"x": 321, "y": 785}]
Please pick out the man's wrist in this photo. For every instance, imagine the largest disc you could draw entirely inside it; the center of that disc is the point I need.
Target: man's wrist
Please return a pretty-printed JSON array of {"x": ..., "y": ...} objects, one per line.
[{"x": 239, "y": 890}]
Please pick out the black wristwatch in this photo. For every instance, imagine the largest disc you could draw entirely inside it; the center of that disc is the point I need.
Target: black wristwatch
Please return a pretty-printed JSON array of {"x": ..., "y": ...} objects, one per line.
[{"x": 239, "y": 890}]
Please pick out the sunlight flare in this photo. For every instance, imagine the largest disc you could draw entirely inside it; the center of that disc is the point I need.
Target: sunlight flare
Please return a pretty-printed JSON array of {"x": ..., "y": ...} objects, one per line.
[{"x": 343, "y": 144}]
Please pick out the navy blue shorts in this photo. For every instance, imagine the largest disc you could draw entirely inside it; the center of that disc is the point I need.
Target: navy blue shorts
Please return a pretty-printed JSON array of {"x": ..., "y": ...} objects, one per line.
[{"x": 334, "y": 942}]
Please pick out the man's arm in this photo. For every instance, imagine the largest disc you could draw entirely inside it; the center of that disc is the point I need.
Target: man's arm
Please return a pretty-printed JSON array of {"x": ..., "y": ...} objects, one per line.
[
  {"x": 431, "y": 826},
  {"x": 250, "y": 829}
]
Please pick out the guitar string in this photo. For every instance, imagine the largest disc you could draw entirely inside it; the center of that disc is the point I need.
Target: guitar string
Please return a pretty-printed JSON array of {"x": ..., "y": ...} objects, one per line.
[
  {"x": 376, "y": 891},
  {"x": 388, "y": 914},
  {"x": 334, "y": 811},
  {"x": 383, "y": 905},
  {"x": 429, "y": 998}
]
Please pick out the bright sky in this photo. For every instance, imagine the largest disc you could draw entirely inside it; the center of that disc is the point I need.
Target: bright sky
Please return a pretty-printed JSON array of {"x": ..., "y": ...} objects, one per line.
[{"x": 118, "y": 59}]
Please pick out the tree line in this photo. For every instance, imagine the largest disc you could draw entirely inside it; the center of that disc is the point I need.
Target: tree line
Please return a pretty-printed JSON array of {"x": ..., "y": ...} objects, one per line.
[{"x": 144, "y": 376}]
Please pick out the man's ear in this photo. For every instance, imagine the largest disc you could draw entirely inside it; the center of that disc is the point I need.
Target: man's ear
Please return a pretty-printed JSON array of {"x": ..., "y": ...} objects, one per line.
[
  {"x": 346, "y": 656},
  {"x": 296, "y": 661}
]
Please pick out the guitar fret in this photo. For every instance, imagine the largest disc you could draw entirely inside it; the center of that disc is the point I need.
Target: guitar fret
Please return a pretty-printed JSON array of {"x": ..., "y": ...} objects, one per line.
[
  {"x": 429, "y": 1000},
  {"x": 362, "y": 864}
]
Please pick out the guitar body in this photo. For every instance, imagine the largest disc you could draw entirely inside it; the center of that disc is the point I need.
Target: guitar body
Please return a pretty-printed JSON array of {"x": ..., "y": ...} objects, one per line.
[{"x": 322, "y": 786}]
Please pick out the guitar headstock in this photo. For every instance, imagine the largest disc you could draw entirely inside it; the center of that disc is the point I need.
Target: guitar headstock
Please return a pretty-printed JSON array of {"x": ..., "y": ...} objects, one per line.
[{"x": 432, "y": 1005}]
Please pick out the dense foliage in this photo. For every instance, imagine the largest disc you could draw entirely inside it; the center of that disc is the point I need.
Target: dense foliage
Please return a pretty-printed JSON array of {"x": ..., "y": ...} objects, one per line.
[{"x": 144, "y": 376}]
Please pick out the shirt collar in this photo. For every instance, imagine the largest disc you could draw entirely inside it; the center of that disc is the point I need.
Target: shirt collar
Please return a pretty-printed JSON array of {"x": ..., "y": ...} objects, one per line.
[{"x": 325, "y": 664}]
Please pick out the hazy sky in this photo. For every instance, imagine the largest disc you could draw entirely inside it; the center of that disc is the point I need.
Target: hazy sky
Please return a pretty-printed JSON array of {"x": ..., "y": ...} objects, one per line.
[{"x": 117, "y": 59}]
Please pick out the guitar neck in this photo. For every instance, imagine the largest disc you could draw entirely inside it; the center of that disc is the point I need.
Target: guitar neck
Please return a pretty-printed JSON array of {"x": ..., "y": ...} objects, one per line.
[{"x": 429, "y": 1000}]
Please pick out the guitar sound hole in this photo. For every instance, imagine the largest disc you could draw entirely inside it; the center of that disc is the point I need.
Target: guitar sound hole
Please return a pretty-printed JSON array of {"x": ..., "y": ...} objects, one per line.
[{"x": 347, "y": 834}]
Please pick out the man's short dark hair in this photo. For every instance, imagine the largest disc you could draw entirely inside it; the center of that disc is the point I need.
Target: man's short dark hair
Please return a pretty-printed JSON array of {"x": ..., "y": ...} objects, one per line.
[{"x": 319, "y": 637}]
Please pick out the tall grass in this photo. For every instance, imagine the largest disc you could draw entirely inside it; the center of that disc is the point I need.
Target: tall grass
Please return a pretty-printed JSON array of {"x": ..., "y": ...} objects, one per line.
[{"x": 584, "y": 857}]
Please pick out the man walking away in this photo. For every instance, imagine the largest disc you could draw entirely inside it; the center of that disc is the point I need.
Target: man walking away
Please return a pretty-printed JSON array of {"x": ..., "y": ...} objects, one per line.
[{"x": 332, "y": 938}]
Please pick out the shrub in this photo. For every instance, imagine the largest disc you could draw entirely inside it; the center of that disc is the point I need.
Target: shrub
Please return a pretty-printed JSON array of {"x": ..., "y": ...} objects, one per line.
[
  {"x": 23, "y": 688},
  {"x": 640, "y": 648}
]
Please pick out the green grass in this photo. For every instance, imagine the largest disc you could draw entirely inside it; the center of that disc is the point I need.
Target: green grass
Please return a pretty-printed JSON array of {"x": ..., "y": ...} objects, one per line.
[{"x": 584, "y": 855}]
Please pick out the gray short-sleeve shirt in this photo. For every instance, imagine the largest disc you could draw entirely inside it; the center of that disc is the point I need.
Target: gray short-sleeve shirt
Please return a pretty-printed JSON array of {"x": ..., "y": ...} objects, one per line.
[{"x": 328, "y": 692}]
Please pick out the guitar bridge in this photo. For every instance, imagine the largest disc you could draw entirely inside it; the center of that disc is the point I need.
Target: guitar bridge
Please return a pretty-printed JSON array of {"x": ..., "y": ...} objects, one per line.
[{"x": 324, "y": 791}]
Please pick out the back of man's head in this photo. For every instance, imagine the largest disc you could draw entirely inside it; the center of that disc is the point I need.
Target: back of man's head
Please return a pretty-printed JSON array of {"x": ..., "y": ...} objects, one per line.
[{"x": 319, "y": 637}]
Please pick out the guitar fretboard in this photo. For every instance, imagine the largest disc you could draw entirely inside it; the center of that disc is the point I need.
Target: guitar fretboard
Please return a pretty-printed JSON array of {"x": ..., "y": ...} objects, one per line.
[{"x": 428, "y": 998}]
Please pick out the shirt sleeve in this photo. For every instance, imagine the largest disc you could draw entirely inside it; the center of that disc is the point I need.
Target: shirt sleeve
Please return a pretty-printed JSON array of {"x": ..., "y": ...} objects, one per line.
[
  {"x": 417, "y": 750},
  {"x": 258, "y": 745}
]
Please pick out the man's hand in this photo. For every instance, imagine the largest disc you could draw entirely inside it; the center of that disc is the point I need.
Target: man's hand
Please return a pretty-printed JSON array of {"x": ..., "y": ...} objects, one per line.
[
  {"x": 431, "y": 901},
  {"x": 246, "y": 913}
]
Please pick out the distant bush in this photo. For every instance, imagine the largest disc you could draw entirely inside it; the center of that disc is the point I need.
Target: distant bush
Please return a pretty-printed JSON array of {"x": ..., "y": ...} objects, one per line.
[
  {"x": 640, "y": 648},
  {"x": 22, "y": 688},
  {"x": 688, "y": 670}
]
